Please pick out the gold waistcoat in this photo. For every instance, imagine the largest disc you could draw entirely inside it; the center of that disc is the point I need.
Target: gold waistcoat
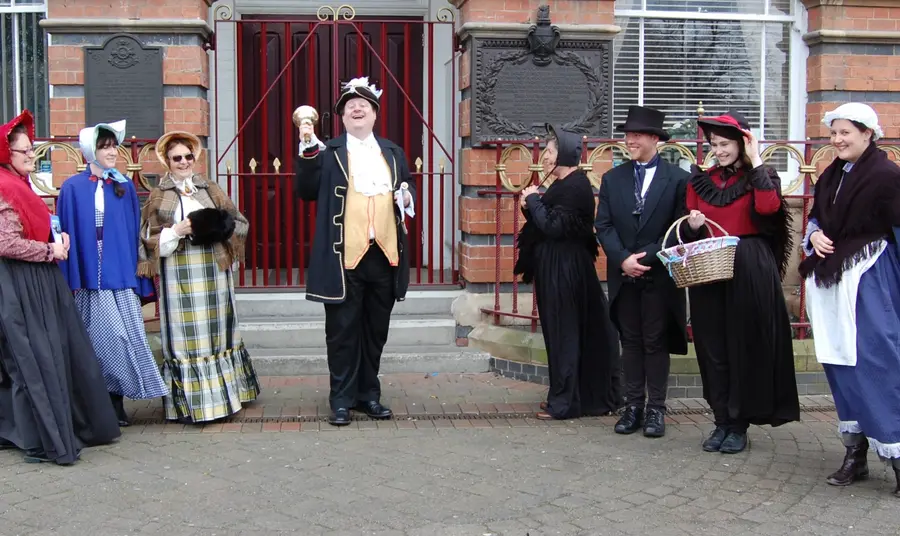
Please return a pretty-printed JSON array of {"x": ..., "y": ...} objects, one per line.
[{"x": 362, "y": 213}]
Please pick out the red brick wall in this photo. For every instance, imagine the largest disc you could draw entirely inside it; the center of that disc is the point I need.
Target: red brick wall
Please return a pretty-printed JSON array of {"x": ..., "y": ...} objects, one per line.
[
  {"x": 182, "y": 66},
  {"x": 842, "y": 62},
  {"x": 478, "y": 216}
]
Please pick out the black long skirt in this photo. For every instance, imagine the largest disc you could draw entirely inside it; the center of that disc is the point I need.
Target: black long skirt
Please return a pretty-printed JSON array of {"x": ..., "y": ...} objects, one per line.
[
  {"x": 742, "y": 335},
  {"x": 582, "y": 347},
  {"x": 53, "y": 400}
]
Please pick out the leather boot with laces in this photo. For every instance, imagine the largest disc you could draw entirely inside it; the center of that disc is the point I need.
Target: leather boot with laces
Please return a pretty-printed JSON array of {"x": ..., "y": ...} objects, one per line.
[
  {"x": 897, "y": 476},
  {"x": 714, "y": 442},
  {"x": 655, "y": 423},
  {"x": 631, "y": 420},
  {"x": 855, "y": 466}
]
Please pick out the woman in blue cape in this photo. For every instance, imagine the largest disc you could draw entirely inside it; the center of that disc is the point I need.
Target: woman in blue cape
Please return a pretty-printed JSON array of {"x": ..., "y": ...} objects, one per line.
[{"x": 99, "y": 209}]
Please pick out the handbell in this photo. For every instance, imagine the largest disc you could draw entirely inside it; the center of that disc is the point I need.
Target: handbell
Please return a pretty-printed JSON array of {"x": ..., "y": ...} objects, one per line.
[{"x": 305, "y": 115}]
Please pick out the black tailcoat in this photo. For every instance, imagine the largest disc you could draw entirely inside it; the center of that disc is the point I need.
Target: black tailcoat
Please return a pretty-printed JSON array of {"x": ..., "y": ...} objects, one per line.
[
  {"x": 621, "y": 233},
  {"x": 323, "y": 179}
]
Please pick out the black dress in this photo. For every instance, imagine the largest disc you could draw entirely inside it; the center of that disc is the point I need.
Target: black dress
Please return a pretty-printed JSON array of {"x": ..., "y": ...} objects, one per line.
[
  {"x": 53, "y": 400},
  {"x": 557, "y": 250}
]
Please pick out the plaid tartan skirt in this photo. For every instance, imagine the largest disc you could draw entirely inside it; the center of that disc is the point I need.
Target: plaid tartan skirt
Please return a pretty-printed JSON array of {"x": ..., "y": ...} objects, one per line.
[{"x": 205, "y": 364}]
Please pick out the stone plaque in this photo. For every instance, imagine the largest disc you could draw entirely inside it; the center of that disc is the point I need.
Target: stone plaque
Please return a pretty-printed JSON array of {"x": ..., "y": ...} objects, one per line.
[
  {"x": 124, "y": 80},
  {"x": 520, "y": 84}
]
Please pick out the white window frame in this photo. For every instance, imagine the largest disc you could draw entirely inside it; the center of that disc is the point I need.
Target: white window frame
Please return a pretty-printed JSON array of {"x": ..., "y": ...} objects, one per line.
[
  {"x": 16, "y": 51},
  {"x": 797, "y": 95}
]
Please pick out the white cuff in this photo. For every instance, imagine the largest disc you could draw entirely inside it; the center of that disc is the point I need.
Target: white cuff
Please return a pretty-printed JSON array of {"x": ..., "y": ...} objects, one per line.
[
  {"x": 811, "y": 227},
  {"x": 168, "y": 241},
  {"x": 313, "y": 141},
  {"x": 408, "y": 210}
]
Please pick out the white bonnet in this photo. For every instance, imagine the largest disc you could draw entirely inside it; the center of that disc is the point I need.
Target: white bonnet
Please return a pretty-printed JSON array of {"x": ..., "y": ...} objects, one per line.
[
  {"x": 87, "y": 138},
  {"x": 859, "y": 112}
]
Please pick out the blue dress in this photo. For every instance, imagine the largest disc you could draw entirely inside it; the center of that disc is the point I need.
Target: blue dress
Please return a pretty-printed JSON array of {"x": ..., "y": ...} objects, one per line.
[
  {"x": 112, "y": 316},
  {"x": 867, "y": 395}
]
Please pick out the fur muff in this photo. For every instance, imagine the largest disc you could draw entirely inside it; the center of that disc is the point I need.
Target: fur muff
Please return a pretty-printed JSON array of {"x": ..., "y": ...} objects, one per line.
[{"x": 210, "y": 226}]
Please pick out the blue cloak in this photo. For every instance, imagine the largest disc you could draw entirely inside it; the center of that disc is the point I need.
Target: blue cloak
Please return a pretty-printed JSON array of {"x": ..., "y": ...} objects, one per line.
[{"x": 121, "y": 232}]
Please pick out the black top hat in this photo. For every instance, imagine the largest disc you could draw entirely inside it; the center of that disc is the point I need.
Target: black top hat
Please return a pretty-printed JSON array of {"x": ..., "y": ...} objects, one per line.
[
  {"x": 646, "y": 120},
  {"x": 568, "y": 146},
  {"x": 358, "y": 88},
  {"x": 732, "y": 122}
]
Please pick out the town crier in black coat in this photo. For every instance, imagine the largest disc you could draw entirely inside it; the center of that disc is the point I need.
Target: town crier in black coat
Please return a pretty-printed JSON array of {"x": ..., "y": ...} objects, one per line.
[
  {"x": 358, "y": 266},
  {"x": 639, "y": 200}
]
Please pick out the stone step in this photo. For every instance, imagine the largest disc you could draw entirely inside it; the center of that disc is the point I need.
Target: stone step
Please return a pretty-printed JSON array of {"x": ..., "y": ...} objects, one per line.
[
  {"x": 423, "y": 360},
  {"x": 295, "y": 304},
  {"x": 406, "y": 332}
]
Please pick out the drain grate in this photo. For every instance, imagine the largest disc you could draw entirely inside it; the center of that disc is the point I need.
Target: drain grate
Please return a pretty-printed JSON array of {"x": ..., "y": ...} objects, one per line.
[{"x": 239, "y": 419}]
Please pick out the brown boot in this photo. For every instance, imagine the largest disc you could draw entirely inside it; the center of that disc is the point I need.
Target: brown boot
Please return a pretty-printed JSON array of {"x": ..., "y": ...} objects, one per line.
[{"x": 855, "y": 466}]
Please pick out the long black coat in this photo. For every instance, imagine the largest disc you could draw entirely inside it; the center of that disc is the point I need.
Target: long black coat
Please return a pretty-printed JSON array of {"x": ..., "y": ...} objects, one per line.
[
  {"x": 620, "y": 234},
  {"x": 324, "y": 179}
]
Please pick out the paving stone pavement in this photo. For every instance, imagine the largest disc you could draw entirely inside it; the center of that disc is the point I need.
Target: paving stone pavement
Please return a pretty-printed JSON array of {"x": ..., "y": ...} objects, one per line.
[{"x": 505, "y": 477}]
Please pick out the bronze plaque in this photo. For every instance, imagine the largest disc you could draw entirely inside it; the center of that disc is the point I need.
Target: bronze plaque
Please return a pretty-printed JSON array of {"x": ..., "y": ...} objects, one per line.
[{"x": 124, "y": 80}]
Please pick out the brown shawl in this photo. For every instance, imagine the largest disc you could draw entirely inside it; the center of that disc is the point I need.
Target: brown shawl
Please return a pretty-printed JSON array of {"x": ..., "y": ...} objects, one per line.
[{"x": 159, "y": 213}]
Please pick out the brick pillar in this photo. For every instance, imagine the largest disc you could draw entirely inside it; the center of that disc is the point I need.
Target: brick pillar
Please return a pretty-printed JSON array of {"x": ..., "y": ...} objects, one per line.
[
  {"x": 180, "y": 27},
  {"x": 478, "y": 214},
  {"x": 854, "y": 55}
]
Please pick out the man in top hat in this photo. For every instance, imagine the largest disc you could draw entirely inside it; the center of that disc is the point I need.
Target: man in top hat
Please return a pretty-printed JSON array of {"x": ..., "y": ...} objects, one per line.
[
  {"x": 359, "y": 265},
  {"x": 639, "y": 200}
]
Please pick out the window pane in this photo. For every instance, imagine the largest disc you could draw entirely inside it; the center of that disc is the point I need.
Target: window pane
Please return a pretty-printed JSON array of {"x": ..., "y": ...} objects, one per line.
[
  {"x": 717, "y": 62},
  {"x": 709, "y": 6},
  {"x": 7, "y": 77}
]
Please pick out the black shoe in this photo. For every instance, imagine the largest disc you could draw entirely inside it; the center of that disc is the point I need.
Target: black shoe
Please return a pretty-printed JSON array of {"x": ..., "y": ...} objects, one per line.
[
  {"x": 855, "y": 466},
  {"x": 655, "y": 423},
  {"x": 118, "y": 403},
  {"x": 734, "y": 442},
  {"x": 374, "y": 410},
  {"x": 631, "y": 420},
  {"x": 339, "y": 417},
  {"x": 714, "y": 442}
]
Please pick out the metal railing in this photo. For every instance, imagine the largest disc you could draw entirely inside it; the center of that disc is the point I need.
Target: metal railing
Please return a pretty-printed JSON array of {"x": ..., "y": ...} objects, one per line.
[{"x": 798, "y": 162}]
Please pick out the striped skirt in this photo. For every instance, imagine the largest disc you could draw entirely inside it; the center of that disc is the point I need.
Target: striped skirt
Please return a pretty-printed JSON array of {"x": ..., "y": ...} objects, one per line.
[{"x": 205, "y": 363}]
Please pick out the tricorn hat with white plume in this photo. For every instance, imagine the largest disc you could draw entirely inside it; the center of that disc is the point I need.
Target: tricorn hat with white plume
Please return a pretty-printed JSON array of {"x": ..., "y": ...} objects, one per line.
[{"x": 358, "y": 88}]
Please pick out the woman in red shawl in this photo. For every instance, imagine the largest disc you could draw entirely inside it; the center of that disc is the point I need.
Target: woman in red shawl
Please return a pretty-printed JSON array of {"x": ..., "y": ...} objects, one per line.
[
  {"x": 53, "y": 399},
  {"x": 741, "y": 327}
]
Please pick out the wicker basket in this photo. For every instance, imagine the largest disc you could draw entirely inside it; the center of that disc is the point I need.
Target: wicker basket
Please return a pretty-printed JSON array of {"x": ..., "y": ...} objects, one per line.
[{"x": 701, "y": 262}]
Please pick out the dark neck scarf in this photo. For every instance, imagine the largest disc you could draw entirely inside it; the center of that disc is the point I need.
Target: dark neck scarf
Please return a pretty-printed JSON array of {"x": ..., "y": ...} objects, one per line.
[
  {"x": 640, "y": 173},
  {"x": 855, "y": 209}
]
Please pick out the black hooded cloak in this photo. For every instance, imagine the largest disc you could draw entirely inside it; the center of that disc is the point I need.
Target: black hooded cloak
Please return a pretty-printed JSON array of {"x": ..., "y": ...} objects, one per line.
[{"x": 557, "y": 252}]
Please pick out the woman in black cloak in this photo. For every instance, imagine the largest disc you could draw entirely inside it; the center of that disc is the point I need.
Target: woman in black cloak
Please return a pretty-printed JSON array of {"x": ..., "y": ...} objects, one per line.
[
  {"x": 557, "y": 251},
  {"x": 53, "y": 399}
]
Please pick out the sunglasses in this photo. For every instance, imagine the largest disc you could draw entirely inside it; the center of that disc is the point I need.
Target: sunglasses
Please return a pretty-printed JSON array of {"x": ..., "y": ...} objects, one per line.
[{"x": 189, "y": 157}]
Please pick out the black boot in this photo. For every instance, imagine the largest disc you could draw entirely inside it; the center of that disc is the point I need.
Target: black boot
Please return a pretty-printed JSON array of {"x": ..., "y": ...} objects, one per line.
[
  {"x": 655, "y": 423},
  {"x": 897, "y": 476},
  {"x": 118, "y": 403},
  {"x": 855, "y": 466},
  {"x": 631, "y": 420}
]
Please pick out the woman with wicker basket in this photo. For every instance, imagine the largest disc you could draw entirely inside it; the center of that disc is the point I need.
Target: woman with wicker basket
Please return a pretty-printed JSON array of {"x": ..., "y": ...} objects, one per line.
[
  {"x": 741, "y": 328},
  {"x": 852, "y": 273},
  {"x": 557, "y": 250}
]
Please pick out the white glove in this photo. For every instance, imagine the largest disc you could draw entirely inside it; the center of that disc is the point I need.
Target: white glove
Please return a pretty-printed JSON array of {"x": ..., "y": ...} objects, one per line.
[{"x": 313, "y": 141}]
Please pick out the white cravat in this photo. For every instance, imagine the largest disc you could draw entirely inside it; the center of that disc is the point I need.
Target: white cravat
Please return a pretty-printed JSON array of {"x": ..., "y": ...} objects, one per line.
[{"x": 371, "y": 175}]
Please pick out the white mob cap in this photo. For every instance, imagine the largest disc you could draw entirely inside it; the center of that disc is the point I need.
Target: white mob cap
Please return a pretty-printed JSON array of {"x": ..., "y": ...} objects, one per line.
[{"x": 859, "y": 112}]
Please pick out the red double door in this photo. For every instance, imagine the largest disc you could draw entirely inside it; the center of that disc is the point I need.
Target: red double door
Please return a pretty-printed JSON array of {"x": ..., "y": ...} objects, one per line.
[{"x": 284, "y": 227}]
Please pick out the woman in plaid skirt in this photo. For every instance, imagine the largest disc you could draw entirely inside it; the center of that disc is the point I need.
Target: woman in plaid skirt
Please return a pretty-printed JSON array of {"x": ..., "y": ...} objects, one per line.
[
  {"x": 99, "y": 209},
  {"x": 192, "y": 234}
]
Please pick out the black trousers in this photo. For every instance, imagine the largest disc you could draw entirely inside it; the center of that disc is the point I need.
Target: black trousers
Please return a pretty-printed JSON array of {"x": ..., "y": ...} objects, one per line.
[
  {"x": 357, "y": 329},
  {"x": 642, "y": 314},
  {"x": 709, "y": 318}
]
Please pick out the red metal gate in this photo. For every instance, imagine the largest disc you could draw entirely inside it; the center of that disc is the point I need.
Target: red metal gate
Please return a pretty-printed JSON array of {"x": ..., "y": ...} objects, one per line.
[{"x": 281, "y": 64}]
